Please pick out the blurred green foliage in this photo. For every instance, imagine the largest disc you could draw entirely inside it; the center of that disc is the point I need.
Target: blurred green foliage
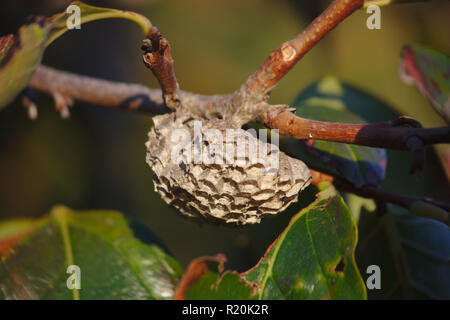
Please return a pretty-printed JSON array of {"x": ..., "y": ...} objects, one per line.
[{"x": 115, "y": 265}]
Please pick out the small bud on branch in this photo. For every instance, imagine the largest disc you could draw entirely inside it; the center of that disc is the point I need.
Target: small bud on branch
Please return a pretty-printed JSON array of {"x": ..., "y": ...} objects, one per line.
[{"x": 158, "y": 59}]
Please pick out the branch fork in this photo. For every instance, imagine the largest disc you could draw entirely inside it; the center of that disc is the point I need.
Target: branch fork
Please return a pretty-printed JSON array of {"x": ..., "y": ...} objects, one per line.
[{"x": 250, "y": 102}]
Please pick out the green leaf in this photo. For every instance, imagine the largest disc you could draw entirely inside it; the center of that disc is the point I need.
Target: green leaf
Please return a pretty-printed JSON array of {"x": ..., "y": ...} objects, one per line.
[
  {"x": 90, "y": 13},
  {"x": 412, "y": 253},
  {"x": 228, "y": 286},
  {"x": 331, "y": 100},
  {"x": 113, "y": 263},
  {"x": 12, "y": 228},
  {"x": 429, "y": 71},
  {"x": 312, "y": 259},
  {"x": 427, "y": 210},
  {"x": 22, "y": 53},
  {"x": 356, "y": 204}
]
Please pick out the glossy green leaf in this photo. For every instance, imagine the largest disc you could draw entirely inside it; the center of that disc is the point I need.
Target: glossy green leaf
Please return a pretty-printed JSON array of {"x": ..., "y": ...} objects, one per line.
[
  {"x": 19, "y": 57},
  {"x": 429, "y": 71},
  {"x": 21, "y": 54},
  {"x": 412, "y": 253},
  {"x": 12, "y": 228},
  {"x": 312, "y": 259},
  {"x": 90, "y": 13},
  {"x": 331, "y": 100},
  {"x": 228, "y": 286},
  {"x": 113, "y": 263}
]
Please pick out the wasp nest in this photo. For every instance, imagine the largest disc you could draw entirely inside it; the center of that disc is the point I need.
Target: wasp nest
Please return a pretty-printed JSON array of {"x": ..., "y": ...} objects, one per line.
[{"x": 208, "y": 170}]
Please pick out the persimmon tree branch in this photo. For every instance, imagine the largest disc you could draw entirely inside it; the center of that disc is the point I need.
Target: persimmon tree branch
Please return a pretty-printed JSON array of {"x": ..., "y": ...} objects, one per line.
[
  {"x": 390, "y": 135},
  {"x": 380, "y": 135},
  {"x": 374, "y": 192},
  {"x": 135, "y": 97},
  {"x": 391, "y": 197},
  {"x": 281, "y": 60},
  {"x": 119, "y": 95},
  {"x": 248, "y": 103},
  {"x": 158, "y": 59},
  {"x": 433, "y": 209}
]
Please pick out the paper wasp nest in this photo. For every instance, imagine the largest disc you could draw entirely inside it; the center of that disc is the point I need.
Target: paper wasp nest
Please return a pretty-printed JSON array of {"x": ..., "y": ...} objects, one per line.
[{"x": 205, "y": 174}]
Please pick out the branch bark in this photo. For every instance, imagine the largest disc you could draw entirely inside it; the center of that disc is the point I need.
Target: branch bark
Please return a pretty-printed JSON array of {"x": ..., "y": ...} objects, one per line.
[
  {"x": 157, "y": 58},
  {"x": 135, "y": 97},
  {"x": 379, "y": 135},
  {"x": 391, "y": 197},
  {"x": 382, "y": 196},
  {"x": 248, "y": 103},
  {"x": 390, "y": 135},
  {"x": 280, "y": 61},
  {"x": 119, "y": 95}
]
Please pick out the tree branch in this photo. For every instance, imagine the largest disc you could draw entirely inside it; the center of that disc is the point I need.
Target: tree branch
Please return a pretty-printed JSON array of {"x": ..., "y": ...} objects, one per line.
[
  {"x": 387, "y": 196},
  {"x": 383, "y": 196},
  {"x": 158, "y": 59},
  {"x": 380, "y": 135},
  {"x": 248, "y": 102},
  {"x": 133, "y": 97},
  {"x": 280, "y": 61},
  {"x": 121, "y": 95}
]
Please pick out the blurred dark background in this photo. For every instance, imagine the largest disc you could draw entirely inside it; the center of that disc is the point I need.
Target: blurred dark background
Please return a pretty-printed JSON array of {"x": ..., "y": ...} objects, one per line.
[{"x": 97, "y": 158}]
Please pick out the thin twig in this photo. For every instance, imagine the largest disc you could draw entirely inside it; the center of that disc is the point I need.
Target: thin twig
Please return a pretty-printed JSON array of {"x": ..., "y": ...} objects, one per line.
[
  {"x": 387, "y": 196},
  {"x": 126, "y": 96},
  {"x": 133, "y": 97},
  {"x": 248, "y": 103},
  {"x": 280, "y": 61},
  {"x": 379, "y": 195},
  {"x": 157, "y": 58}
]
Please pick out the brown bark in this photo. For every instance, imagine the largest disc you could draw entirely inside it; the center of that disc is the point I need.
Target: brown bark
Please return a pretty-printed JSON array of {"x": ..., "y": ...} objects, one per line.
[
  {"x": 132, "y": 97},
  {"x": 379, "y": 135},
  {"x": 158, "y": 59},
  {"x": 249, "y": 102},
  {"x": 281, "y": 60}
]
